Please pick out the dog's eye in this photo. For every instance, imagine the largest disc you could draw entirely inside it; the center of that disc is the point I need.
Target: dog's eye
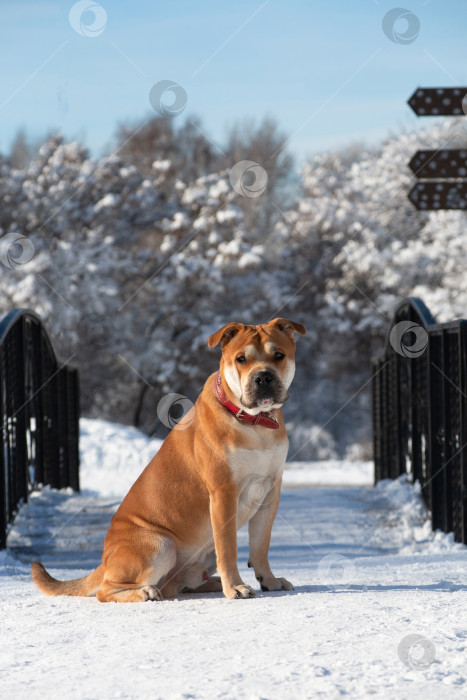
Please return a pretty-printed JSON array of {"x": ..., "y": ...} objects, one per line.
[
  {"x": 279, "y": 356},
  {"x": 241, "y": 359}
]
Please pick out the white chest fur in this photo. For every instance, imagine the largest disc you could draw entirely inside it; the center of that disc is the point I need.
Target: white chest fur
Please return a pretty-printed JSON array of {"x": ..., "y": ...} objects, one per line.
[{"x": 256, "y": 472}]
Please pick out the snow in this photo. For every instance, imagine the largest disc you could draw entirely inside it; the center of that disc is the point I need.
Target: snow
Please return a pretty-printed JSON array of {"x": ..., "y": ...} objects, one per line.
[
  {"x": 109, "y": 200},
  {"x": 331, "y": 472},
  {"x": 112, "y": 456},
  {"x": 368, "y": 573}
]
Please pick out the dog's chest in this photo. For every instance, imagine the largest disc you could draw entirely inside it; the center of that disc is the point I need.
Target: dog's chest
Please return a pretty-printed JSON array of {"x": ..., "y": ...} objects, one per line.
[{"x": 255, "y": 472}]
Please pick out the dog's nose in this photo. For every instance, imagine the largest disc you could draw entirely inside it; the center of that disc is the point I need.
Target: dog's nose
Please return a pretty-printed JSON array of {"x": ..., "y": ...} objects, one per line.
[{"x": 264, "y": 377}]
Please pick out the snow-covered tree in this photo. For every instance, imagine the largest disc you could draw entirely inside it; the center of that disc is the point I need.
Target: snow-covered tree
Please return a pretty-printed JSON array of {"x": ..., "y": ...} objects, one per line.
[{"x": 132, "y": 269}]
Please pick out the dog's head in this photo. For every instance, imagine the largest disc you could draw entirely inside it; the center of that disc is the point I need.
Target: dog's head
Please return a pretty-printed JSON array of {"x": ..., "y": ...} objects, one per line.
[{"x": 258, "y": 362}]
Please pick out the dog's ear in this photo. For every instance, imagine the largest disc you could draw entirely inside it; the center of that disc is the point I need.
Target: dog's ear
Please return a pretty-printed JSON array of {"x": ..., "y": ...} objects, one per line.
[
  {"x": 288, "y": 327},
  {"x": 225, "y": 334}
]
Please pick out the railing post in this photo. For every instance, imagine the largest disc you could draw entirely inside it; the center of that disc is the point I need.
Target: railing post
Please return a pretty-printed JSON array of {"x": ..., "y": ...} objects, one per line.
[
  {"x": 15, "y": 452},
  {"x": 3, "y": 484},
  {"x": 377, "y": 420},
  {"x": 39, "y": 414},
  {"x": 463, "y": 429},
  {"x": 432, "y": 489},
  {"x": 73, "y": 428}
]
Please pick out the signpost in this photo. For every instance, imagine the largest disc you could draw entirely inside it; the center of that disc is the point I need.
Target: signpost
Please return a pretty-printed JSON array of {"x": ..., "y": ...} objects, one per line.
[
  {"x": 439, "y": 102},
  {"x": 442, "y": 173},
  {"x": 439, "y": 194},
  {"x": 444, "y": 163}
]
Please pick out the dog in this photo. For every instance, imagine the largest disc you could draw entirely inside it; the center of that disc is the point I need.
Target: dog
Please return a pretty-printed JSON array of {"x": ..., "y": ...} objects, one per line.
[{"x": 219, "y": 468}]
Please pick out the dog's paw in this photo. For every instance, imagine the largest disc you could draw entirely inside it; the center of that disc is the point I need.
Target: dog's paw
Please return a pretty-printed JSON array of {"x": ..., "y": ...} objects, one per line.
[
  {"x": 212, "y": 585},
  {"x": 151, "y": 593},
  {"x": 272, "y": 583},
  {"x": 241, "y": 591}
]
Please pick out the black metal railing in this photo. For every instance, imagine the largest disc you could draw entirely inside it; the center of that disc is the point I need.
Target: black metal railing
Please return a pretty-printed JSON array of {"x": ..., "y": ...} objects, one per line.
[
  {"x": 39, "y": 409},
  {"x": 419, "y": 387}
]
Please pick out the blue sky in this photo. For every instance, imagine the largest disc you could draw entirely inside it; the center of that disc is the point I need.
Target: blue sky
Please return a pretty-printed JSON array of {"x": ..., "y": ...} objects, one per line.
[{"x": 324, "y": 69}]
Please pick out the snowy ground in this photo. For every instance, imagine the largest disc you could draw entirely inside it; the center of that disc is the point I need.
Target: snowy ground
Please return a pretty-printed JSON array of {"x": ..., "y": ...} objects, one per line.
[{"x": 368, "y": 574}]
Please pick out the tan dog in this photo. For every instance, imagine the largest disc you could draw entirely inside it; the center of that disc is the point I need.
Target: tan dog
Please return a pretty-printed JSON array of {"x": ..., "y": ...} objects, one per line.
[{"x": 219, "y": 468}]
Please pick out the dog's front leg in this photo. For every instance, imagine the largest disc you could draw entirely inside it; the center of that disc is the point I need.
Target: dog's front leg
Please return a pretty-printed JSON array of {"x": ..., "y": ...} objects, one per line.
[
  {"x": 259, "y": 530},
  {"x": 223, "y": 502}
]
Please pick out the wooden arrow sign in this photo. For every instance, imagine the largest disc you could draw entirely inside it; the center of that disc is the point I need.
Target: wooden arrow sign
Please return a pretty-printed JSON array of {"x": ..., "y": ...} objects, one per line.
[
  {"x": 442, "y": 163},
  {"x": 436, "y": 102},
  {"x": 439, "y": 194}
]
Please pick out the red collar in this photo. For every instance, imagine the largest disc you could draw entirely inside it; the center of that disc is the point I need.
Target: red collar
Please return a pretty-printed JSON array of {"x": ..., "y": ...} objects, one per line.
[{"x": 267, "y": 420}]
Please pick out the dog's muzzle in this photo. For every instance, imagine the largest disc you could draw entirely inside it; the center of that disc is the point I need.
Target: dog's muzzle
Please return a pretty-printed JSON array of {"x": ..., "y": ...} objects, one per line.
[{"x": 264, "y": 389}]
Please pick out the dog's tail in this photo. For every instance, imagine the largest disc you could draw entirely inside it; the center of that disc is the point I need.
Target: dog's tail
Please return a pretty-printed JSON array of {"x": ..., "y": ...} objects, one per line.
[{"x": 86, "y": 586}]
